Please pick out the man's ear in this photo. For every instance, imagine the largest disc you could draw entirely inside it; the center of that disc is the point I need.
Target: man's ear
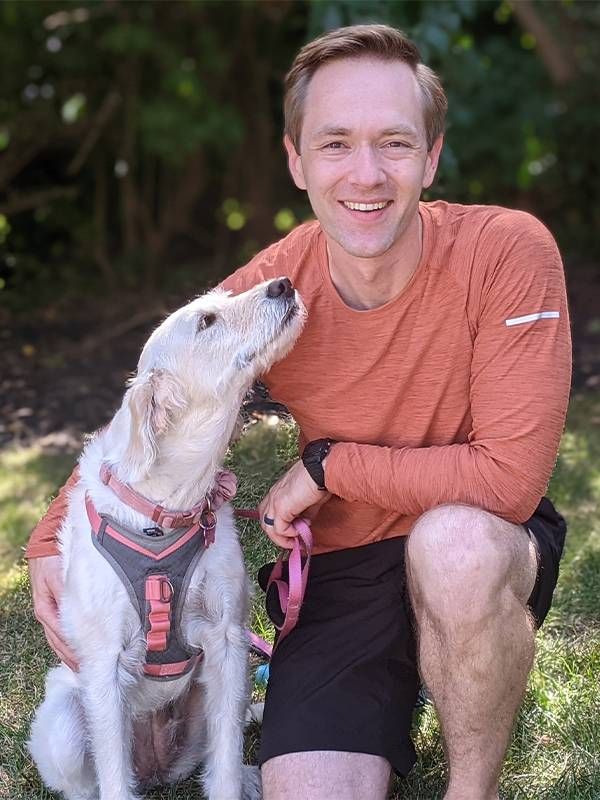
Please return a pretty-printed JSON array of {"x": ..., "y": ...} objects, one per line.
[
  {"x": 433, "y": 158},
  {"x": 153, "y": 399},
  {"x": 294, "y": 163}
]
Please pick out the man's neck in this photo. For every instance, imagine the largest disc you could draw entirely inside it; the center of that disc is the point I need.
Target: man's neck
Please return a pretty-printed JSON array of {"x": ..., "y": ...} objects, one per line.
[{"x": 367, "y": 283}]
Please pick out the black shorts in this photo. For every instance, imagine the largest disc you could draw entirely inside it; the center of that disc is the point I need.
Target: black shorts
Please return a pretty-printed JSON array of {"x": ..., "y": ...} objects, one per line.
[{"x": 346, "y": 677}]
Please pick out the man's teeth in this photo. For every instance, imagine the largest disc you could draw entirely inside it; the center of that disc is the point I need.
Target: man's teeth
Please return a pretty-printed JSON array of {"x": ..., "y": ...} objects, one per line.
[{"x": 365, "y": 206}]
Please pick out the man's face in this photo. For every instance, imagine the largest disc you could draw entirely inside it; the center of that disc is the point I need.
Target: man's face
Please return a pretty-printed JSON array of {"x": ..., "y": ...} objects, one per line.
[{"x": 363, "y": 152}]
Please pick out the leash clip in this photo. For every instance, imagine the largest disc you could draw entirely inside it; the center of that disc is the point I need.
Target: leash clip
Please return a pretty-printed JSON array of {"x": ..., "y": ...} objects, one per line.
[{"x": 208, "y": 523}]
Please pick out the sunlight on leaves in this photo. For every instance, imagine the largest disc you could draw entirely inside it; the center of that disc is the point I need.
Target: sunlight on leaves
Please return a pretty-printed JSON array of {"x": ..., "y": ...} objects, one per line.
[{"x": 74, "y": 108}]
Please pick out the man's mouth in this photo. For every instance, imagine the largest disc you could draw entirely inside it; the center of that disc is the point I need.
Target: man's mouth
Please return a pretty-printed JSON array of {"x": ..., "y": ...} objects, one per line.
[{"x": 366, "y": 206}]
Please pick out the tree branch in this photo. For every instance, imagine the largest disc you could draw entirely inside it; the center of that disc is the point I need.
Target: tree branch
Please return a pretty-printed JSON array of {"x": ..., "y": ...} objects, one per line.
[
  {"x": 561, "y": 68},
  {"x": 21, "y": 201},
  {"x": 100, "y": 121}
]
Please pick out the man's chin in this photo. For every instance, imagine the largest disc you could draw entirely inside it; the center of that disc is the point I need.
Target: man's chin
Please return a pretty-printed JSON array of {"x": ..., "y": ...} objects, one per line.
[{"x": 365, "y": 249}]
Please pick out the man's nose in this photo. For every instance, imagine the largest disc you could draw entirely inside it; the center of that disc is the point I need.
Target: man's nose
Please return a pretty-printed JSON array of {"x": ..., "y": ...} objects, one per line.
[
  {"x": 366, "y": 168},
  {"x": 279, "y": 287}
]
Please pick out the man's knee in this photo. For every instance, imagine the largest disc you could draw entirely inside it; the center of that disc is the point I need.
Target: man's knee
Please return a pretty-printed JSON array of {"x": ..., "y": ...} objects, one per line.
[{"x": 464, "y": 562}]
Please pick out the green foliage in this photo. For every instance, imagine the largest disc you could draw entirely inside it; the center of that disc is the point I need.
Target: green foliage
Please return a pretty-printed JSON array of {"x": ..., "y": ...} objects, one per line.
[
  {"x": 125, "y": 126},
  {"x": 514, "y": 136}
]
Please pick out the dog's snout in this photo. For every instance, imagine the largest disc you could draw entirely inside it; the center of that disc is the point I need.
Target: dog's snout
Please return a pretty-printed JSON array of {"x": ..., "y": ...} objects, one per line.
[{"x": 282, "y": 286}]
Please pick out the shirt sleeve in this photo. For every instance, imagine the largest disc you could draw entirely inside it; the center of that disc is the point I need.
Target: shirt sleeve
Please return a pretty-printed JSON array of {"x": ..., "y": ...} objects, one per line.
[
  {"x": 519, "y": 388},
  {"x": 44, "y": 537}
]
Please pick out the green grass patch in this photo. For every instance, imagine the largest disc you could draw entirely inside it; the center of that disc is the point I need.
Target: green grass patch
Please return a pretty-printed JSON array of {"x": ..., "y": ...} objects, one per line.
[
  {"x": 28, "y": 477},
  {"x": 555, "y": 752}
]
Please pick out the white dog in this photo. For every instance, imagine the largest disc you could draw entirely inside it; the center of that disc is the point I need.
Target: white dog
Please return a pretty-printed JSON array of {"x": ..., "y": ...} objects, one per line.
[{"x": 125, "y": 722}]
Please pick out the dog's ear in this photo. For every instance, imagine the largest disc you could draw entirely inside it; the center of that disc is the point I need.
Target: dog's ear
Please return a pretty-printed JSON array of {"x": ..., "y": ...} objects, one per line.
[{"x": 153, "y": 398}]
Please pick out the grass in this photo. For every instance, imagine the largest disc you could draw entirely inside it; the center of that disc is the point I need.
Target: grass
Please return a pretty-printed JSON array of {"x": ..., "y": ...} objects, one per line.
[{"x": 555, "y": 752}]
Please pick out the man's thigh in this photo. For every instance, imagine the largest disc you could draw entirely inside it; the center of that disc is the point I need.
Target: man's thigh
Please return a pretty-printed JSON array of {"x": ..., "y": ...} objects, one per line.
[{"x": 326, "y": 774}]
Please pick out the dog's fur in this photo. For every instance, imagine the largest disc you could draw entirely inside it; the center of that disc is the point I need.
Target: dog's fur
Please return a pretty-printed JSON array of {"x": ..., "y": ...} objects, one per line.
[{"x": 107, "y": 732}]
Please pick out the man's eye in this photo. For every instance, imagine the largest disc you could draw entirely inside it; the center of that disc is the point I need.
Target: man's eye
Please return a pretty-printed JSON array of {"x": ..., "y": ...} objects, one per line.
[
  {"x": 334, "y": 146},
  {"x": 397, "y": 144},
  {"x": 205, "y": 321}
]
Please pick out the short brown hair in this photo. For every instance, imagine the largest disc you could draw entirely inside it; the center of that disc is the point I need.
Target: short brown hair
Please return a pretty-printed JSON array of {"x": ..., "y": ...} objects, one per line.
[{"x": 354, "y": 41}]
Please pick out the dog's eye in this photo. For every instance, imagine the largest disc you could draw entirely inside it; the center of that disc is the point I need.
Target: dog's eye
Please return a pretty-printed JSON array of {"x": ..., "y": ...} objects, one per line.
[{"x": 205, "y": 321}]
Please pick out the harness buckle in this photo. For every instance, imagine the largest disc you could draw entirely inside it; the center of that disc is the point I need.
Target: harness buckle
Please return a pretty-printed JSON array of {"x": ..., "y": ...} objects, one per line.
[
  {"x": 166, "y": 590},
  {"x": 153, "y": 531}
]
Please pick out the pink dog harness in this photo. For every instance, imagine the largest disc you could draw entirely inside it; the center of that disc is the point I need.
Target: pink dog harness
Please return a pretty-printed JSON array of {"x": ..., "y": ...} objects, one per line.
[{"x": 156, "y": 566}]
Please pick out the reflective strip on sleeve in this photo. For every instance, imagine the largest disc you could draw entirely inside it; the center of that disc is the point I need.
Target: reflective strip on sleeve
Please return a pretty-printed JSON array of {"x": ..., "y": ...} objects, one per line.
[{"x": 532, "y": 318}]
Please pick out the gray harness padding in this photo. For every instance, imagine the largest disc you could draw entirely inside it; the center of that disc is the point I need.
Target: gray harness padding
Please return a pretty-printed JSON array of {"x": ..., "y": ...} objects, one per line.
[{"x": 134, "y": 567}]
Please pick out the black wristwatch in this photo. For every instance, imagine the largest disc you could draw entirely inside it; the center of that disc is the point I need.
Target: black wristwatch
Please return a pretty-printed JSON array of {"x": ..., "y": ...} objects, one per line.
[{"x": 313, "y": 456}]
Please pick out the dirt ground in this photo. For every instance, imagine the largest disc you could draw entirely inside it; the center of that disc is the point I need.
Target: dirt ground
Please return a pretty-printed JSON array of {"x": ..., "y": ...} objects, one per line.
[{"x": 63, "y": 371}]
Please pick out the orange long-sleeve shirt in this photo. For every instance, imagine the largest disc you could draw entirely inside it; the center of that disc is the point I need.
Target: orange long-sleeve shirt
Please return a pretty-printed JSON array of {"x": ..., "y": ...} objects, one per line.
[{"x": 454, "y": 391}]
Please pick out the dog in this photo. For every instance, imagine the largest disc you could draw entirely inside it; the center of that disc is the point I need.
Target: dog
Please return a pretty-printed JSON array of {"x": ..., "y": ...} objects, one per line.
[{"x": 124, "y": 723}]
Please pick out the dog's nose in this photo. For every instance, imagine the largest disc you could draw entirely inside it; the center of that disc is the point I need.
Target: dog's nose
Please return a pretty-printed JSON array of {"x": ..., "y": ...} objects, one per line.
[{"x": 282, "y": 286}]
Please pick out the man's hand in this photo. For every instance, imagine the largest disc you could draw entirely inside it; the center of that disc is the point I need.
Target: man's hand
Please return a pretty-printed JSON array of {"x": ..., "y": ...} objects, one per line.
[
  {"x": 294, "y": 495},
  {"x": 47, "y": 587}
]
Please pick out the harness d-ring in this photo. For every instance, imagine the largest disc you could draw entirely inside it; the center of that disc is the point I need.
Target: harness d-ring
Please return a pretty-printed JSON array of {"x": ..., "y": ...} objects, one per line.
[
  {"x": 166, "y": 590},
  {"x": 208, "y": 523}
]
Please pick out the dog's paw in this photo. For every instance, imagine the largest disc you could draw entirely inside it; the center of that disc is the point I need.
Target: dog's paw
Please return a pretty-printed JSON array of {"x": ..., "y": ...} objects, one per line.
[
  {"x": 251, "y": 783},
  {"x": 254, "y": 713}
]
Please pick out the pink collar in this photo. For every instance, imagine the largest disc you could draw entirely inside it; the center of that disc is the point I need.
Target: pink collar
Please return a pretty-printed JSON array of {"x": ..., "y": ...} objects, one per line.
[{"x": 224, "y": 489}]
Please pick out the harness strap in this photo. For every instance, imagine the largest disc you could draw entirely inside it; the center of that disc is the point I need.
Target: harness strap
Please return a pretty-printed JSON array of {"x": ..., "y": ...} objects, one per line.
[
  {"x": 202, "y": 513},
  {"x": 208, "y": 524},
  {"x": 172, "y": 670},
  {"x": 159, "y": 593}
]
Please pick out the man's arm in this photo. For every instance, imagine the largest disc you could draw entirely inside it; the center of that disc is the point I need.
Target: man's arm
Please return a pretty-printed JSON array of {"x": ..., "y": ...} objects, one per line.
[
  {"x": 43, "y": 538},
  {"x": 45, "y": 571},
  {"x": 519, "y": 390}
]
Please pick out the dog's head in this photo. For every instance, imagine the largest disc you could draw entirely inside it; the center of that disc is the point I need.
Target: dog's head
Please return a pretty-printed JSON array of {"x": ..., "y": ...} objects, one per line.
[{"x": 205, "y": 356}]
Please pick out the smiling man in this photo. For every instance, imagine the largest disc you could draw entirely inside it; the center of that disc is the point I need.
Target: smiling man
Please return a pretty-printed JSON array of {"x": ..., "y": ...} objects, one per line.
[{"x": 430, "y": 387}]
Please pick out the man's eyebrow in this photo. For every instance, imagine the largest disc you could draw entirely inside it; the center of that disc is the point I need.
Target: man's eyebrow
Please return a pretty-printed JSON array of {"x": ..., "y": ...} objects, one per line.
[
  {"x": 400, "y": 130},
  {"x": 331, "y": 130},
  {"x": 337, "y": 130}
]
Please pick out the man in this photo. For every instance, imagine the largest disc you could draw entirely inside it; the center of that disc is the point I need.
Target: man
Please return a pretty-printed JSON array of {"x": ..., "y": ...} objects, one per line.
[{"x": 431, "y": 385}]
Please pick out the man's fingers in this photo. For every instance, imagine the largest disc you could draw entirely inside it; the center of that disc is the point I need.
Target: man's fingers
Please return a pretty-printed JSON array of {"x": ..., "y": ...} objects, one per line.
[
  {"x": 46, "y": 588},
  {"x": 286, "y": 542},
  {"x": 282, "y": 536},
  {"x": 61, "y": 649},
  {"x": 44, "y": 605},
  {"x": 46, "y": 614}
]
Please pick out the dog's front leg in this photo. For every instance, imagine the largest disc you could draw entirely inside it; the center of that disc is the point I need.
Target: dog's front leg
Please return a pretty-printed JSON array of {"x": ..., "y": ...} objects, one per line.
[
  {"x": 224, "y": 677},
  {"x": 109, "y": 726}
]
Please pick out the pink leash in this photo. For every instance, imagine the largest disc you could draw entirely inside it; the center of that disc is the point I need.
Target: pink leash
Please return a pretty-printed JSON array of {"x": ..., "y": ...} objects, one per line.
[{"x": 291, "y": 593}]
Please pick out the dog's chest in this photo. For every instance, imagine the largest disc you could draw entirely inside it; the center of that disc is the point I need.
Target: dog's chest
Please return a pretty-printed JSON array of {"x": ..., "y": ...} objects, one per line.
[{"x": 156, "y": 572}]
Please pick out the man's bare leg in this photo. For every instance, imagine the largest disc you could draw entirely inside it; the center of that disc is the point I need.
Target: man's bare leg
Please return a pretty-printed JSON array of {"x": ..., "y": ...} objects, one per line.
[
  {"x": 330, "y": 774},
  {"x": 470, "y": 576}
]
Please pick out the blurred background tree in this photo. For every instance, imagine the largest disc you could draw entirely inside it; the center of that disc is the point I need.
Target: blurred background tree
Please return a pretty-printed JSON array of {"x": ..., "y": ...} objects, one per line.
[{"x": 141, "y": 156}]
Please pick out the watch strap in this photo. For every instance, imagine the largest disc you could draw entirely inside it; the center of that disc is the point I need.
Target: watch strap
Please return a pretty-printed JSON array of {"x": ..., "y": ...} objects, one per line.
[{"x": 313, "y": 456}]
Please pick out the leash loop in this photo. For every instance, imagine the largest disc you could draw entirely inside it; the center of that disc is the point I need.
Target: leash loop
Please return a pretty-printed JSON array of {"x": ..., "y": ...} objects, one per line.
[{"x": 290, "y": 592}]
